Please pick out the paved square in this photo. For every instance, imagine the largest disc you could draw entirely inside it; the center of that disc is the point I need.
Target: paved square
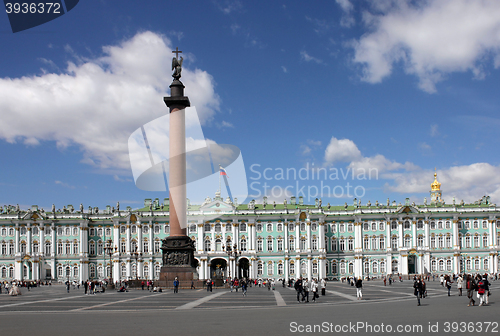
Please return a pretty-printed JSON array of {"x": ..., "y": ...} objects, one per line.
[{"x": 51, "y": 310}]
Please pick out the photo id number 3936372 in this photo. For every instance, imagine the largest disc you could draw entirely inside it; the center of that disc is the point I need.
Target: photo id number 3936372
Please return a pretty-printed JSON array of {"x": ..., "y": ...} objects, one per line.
[
  {"x": 32, "y": 8},
  {"x": 469, "y": 327}
]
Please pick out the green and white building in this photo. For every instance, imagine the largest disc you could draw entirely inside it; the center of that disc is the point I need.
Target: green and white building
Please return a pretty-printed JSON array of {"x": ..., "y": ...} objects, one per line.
[{"x": 267, "y": 240}]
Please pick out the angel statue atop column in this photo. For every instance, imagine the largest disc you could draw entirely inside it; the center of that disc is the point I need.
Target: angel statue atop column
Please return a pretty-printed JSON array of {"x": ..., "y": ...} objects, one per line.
[{"x": 177, "y": 67}]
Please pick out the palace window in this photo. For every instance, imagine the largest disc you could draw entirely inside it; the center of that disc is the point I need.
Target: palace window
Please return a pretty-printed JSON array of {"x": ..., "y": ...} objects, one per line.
[
  {"x": 459, "y": 225},
  {"x": 476, "y": 242},
  {"x": 394, "y": 225},
  {"x": 407, "y": 225},
  {"x": 291, "y": 243},
  {"x": 420, "y": 241},
  {"x": 60, "y": 232},
  {"x": 382, "y": 267},
  {"x": 334, "y": 244},
  {"x": 208, "y": 227},
  {"x": 92, "y": 271},
  {"x": 11, "y": 232},
  {"x": 351, "y": 268},
  {"x": 218, "y": 245},
  {"x": 258, "y": 227},
  {"x": 60, "y": 248},
  {"x": 350, "y": 244},
  {"x": 269, "y": 227},
  {"x": 133, "y": 246},
  {"x": 440, "y": 242},
  {"x": 381, "y": 226},
  {"x": 441, "y": 265},
  {"x": 35, "y": 231},
  {"x": 433, "y": 242},
  {"x": 302, "y": 226},
  {"x": 99, "y": 232},
  {"x": 477, "y": 264},
  {"x": 420, "y": 225},
  {"x": 395, "y": 266},
  {"x": 280, "y": 244},
  {"x": 48, "y": 250},
  {"x": 133, "y": 229},
  {"x": 145, "y": 229},
  {"x": 192, "y": 228},
  {"x": 260, "y": 269},
  {"x": 448, "y": 242},
  {"x": 100, "y": 249},
  {"x": 314, "y": 226},
  {"x": 291, "y": 227},
  {"x": 366, "y": 243},
  {"x": 374, "y": 243},
  {"x": 302, "y": 243},
  {"x": 485, "y": 241},
  {"x": 123, "y": 229},
  {"x": 269, "y": 244},
  {"x": 440, "y": 225},
  {"x": 366, "y": 267},
  {"x": 315, "y": 268},
  {"x": 243, "y": 244},
  {"x": 434, "y": 265},
  {"x": 4, "y": 249},
  {"x": 218, "y": 227},
  {"x": 350, "y": 227},
  {"x": 303, "y": 269},
  {"x": 243, "y": 227},
  {"x": 467, "y": 225},
  {"x": 100, "y": 271},
  {"x": 374, "y": 226},
  {"x": 467, "y": 241},
  {"x": 407, "y": 241},
  {"x": 448, "y": 224},
  {"x": 157, "y": 229},
  {"x": 123, "y": 247},
  {"x": 433, "y": 225},
  {"x": 157, "y": 271},
  {"x": 334, "y": 267},
  {"x": 292, "y": 269},
  {"x": 123, "y": 270},
  {"x": 4, "y": 232},
  {"x": 157, "y": 246},
  {"x": 23, "y": 247},
  {"x": 342, "y": 228},
  {"x": 365, "y": 227},
  {"x": 476, "y": 225},
  {"x": 485, "y": 224},
  {"x": 259, "y": 245},
  {"x": 314, "y": 244},
  {"x": 75, "y": 248},
  {"x": 394, "y": 243},
  {"x": 485, "y": 264},
  {"x": 67, "y": 247},
  {"x": 11, "y": 248},
  {"x": 382, "y": 242},
  {"x": 280, "y": 269},
  {"x": 468, "y": 264},
  {"x": 342, "y": 267},
  {"x": 146, "y": 271},
  {"x": 279, "y": 227},
  {"x": 342, "y": 244},
  {"x": 448, "y": 265}
]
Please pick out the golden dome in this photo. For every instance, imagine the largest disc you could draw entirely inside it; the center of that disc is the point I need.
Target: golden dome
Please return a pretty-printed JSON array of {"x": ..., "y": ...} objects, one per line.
[{"x": 435, "y": 186}]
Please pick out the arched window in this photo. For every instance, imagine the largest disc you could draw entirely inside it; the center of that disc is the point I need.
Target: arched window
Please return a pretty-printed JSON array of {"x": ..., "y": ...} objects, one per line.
[
  {"x": 207, "y": 245},
  {"x": 303, "y": 269},
  {"x": 23, "y": 231},
  {"x": 218, "y": 227},
  {"x": 407, "y": 225},
  {"x": 394, "y": 225},
  {"x": 157, "y": 271},
  {"x": 280, "y": 269},
  {"x": 208, "y": 227},
  {"x": 279, "y": 227},
  {"x": 280, "y": 244},
  {"x": 434, "y": 265},
  {"x": 291, "y": 227},
  {"x": 133, "y": 229},
  {"x": 91, "y": 247},
  {"x": 243, "y": 244},
  {"x": 315, "y": 268},
  {"x": 382, "y": 267},
  {"x": 123, "y": 271},
  {"x": 440, "y": 225},
  {"x": 351, "y": 268},
  {"x": 366, "y": 243},
  {"x": 365, "y": 227},
  {"x": 350, "y": 244},
  {"x": 395, "y": 266},
  {"x": 123, "y": 229},
  {"x": 350, "y": 227},
  {"x": 448, "y": 265},
  {"x": 100, "y": 272},
  {"x": 302, "y": 243},
  {"x": 468, "y": 264},
  {"x": 269, "y": 227},
  {"x": 334, "y": 244},
  {"x": 314, "y": 244},
  {"x": 269, "y": 244},
  {"x": 260, "y": 269},
  {"x": 342, "y": 228},
  {"x": 146, "y": 271},
  {"x": 259, "y": 245},
  {"x": 441, "y": 265},
  {"x": 91, "y": 271},
  {"x": 477, "y": 264},
  {"x": 420, "y": 225},
  {"x": 292, "y": 269},
  {"x": 258, "y": 227},
  {"x": 394, "y": 243},
  {"x": 243, "y": 227},
  {"x": 218, "y": 245},
  {"x": 342, "y": 244},
  {"x": 334, "y": 267},
  {"x": 342, "y": 267},
  {"x": 302, "y": 226},
  {"x": 314, "y": 227},
  {"x": 291, "y": 243},
  {"x": 485, "y": 264}
]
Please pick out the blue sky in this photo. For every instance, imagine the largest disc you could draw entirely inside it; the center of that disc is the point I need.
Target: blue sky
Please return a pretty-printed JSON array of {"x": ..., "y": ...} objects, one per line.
[{"x": 342, "y": 85}]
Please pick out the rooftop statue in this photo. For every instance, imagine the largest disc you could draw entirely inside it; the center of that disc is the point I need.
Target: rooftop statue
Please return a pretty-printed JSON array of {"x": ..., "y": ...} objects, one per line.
[{"x": 177, "y": 64}]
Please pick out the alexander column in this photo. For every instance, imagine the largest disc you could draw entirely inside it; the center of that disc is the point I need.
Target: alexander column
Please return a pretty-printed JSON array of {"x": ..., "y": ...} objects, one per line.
[{"x": 178, "y": 249}]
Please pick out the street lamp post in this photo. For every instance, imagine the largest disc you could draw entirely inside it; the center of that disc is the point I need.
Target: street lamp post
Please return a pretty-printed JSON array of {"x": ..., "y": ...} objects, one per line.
[
  {"x": 137, "y": 255},
  {"x": 108, "y": 249},
  {"x": 232, "y": 252}
]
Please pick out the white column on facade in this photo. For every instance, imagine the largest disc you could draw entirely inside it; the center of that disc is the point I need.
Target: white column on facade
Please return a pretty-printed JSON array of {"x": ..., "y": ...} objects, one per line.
[
  {"x": 84, "y": 270},
  {"x": 129, "y": 269},
  {"x": 322, "y": 268},
  {"x": 388, "y": 247},
  {"x": 236, "y": 236},
  {"x": 308, "y": 232},
  {"x": 127, "y": 243},
  {"x": 403, "y": 264},
  {"x": 286, "y": 268},
  {"x": 420, "y": 264},
  {"x": 456, "y": 265},
  {"x": 414, "y": 233},
  {"x": 358, "y": 237},
  {"x": 309, "y": 268},
  {"x": 116, "y": 235},
  {"x": 35, "y": 272},
  {"x": 139, "y": 237},
  {"x": 151, "y": 246},
  {"x": 426, "y": 232},
  {"x": 202, "y": 275},
  {"x": 54, "y": 246},
  {"x": 321, "y": 243},
  {"x": 494, "y": 267},
  {"x": 400, "y": 234},
  {"x": 285, "y": 236},
  {"x": 455, "y": 235},
  {"x": 116, "y": 269},
  {"x": 16, "y": 242},
  {"x": 200, "y": 241},
  {"x": 84, "y": 241},
  {"x": 297, "y": 238},
  {"x": 388, "y": 264},
  {"x": 491, "y": 234},
  {"x": 252, "y": 236},
  {"x": 28, "y": 240}
]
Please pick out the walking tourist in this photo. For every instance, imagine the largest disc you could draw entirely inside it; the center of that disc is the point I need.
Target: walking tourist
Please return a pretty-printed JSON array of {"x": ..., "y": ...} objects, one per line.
[{"x": 359, "y": 286}]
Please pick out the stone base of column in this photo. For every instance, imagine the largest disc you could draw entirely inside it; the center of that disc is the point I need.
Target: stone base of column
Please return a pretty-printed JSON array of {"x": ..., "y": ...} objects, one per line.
[{"x": 178, "y": 261}]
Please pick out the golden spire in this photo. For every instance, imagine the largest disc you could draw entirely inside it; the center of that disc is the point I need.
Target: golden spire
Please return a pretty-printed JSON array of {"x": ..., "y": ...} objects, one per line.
[{"x": 435, "y": 186}]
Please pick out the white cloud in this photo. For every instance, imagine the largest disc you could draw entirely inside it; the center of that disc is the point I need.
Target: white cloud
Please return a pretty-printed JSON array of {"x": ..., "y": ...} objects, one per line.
[
  {"x": 431, "y": 39},
  {"x": 343, "y": 150},
  {"x": 65, "y": 185},
  {"x": 225, "y": 124},
  {"x": 97, "y": 103},
  {"x": 308, "y": 58},
  {"x": 347, "y": 19},
  {"x": 434, "y": 130},
  {"x": 285, "y": 70},
  {"x": 467, "y": 182}
]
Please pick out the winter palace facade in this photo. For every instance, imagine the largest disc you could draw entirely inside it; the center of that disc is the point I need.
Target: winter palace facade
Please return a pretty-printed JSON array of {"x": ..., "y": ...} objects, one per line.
[{"x": 280, "y": 241}]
